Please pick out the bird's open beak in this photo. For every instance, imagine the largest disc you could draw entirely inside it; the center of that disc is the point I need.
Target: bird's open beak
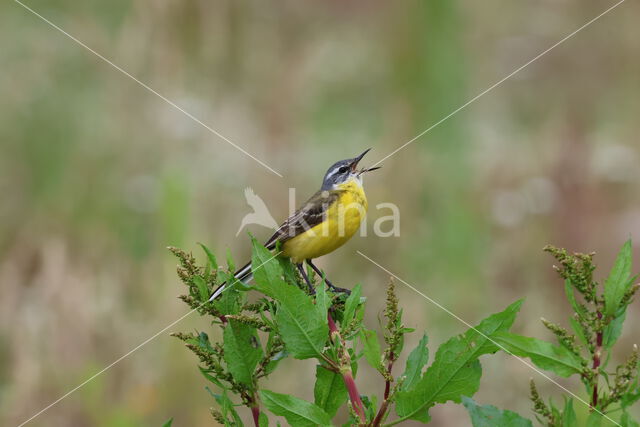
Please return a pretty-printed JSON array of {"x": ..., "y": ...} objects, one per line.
[{"x": 355, "y": 162}]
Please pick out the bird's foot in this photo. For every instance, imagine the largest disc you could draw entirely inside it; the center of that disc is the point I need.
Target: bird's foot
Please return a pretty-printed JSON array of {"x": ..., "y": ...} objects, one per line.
[{"x": 338, "y": 290}]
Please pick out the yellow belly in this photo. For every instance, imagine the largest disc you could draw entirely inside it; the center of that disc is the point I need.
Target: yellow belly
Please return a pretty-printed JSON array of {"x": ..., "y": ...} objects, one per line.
[{"x": 342, "y": 220}]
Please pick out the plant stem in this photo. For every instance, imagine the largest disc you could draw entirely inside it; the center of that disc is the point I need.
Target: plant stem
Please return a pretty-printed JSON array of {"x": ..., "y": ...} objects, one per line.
[
  {"x": 596, "y": 364},
  {"x": 345, "y": 371},
  {"x": 387, "y": 389},
  {"x": 255, "y": 411}
]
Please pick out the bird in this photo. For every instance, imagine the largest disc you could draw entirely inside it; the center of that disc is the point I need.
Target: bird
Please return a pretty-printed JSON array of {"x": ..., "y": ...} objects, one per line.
[
  {"x": 260, "y": 214},
  {"x": 324, "y": 222}
]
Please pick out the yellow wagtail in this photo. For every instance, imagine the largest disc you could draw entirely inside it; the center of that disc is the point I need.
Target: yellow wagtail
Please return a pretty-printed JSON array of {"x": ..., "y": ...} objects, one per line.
[{"x": 324, "y": 223}]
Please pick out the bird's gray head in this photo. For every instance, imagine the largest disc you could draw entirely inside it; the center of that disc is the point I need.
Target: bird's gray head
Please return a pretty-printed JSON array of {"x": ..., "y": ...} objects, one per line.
[{"x": 343, "y": 171}]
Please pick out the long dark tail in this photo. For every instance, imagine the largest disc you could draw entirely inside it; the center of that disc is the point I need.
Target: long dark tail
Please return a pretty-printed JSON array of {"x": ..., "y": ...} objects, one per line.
[{"x": 243, "y": 274}]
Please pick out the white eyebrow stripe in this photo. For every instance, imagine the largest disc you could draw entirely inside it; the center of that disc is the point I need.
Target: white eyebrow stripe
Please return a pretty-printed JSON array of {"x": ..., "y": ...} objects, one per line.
[{"x": 333, "y": 172}]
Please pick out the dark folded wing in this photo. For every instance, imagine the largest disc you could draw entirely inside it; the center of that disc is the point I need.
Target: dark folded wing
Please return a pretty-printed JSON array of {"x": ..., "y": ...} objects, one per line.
[{"x": 309, "y": 215}]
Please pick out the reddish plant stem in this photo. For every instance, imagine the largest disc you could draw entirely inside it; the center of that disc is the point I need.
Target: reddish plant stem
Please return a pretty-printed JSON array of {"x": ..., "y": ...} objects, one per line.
[
  {"x": 387, "y": 390},
  {"x": 596, "y": 364},
  {"x": 345, "y": 371},
  {"x": 255, "y": 411}
]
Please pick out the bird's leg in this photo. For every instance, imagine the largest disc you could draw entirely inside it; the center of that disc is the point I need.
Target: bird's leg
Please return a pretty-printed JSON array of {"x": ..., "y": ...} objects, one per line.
[
  {"x": 306, "y": 278},
  {"x": 322, "y": 275}
]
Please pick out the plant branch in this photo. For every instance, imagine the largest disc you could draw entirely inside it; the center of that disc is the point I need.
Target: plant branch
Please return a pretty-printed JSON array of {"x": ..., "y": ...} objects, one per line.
[
  {"x": 597, "y": 354},
  {"x": 255, "y": 411},
  {"x": 345, "y": 371},
  {"x": 387, "y": 391}
]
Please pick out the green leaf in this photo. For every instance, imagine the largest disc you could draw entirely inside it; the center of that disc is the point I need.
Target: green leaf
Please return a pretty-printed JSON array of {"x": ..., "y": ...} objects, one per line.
[
  {"x": 594, "y": 419},
  {"x": 329, "y": 391},
  {"x": 350, "y": 305},
  {"x": 210, "y": 377},
  {"x": 577, "y": 329},
  {"x": 301, "y": 323},
  {"x": 612, "y": 331},
  {"x": 543, "y": 354},
  {"x": 455, "y": 371},
  {"x": 242, "y": 351},
  {"x": 230, "y": 265},
  {"x": 371, "y": 349},
  {"x": 263, "y": 420},
  {"x": 416, "y": 361},
  {"x": 226, "y": 408},
  {"x": 618, "y": 281},
  {"x": 322, "y": 298},
  {"x": 168, "y": 422},
  {"x": 229, "y": 301},
  {"x": 298, "y": 412},
  {"x": 267, "y": 272},
  {"x": 569, "y": 415},
  {"x": 203, "y": 290},
  {"x": 490, "y": 416},
  {"x": 577, "y": 307},
  {"x": 213, "y": 264}
]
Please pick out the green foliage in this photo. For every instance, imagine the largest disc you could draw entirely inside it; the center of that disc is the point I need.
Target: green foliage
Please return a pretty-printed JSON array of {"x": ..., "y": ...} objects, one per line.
[
  {"x": 284, "y": 320},
  {"x": 456, "y": 370},
  {"x": 543, "y": 354},
  {"x": 490, "y": 416},
  {"x": 416, "y": 361},
  {"x": 329, "y": 391},
  {"x": 599, "y": 311},
  {"x": 298, "y": 412}
]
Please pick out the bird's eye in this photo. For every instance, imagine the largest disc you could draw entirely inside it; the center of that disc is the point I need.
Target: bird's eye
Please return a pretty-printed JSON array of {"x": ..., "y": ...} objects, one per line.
[{"x": 343, "y": 169}]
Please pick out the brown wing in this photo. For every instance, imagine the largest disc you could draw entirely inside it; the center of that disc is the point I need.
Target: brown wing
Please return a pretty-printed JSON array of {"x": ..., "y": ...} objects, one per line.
[{"x": 309, "y": 215}]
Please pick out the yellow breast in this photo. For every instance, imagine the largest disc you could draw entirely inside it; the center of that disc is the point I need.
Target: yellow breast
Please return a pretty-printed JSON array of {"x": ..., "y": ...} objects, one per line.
[{"x": 342, "y": 220}]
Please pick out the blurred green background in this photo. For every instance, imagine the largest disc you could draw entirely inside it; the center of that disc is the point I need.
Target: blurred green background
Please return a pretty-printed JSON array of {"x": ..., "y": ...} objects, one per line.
[{"x": 98, "y": 175}]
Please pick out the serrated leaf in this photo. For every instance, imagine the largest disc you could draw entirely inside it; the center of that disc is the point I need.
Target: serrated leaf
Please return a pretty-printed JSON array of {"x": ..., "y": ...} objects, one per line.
[
  {"x": 267, "y": 272},
  {"x": 416, "y": 361},
  {"x": 242, "y": 351},
  {"x": 490, "y": 416},
  {"x": 213, "y": 264},
  {"x": 350, "y": 305},
  {"x": 301, "y": 323},
  {"x": 455, "y": 371},
  {"x": 329, "y": 391},
  {"x": 203, "y": 290},
  {"x": 371, "y": 348},
  {"x": 618, "y": 281},
  {"x": 543, "y": 354},
  {"x": 298, "y": 412}
]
